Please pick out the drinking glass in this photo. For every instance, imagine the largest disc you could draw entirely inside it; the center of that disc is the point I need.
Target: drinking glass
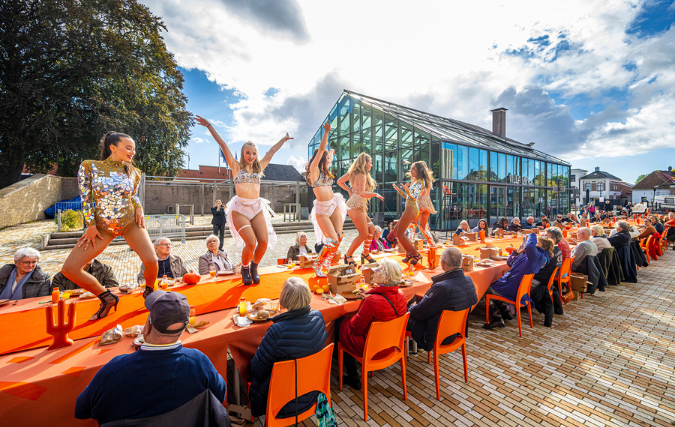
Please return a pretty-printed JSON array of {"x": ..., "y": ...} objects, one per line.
[
  {"x": 193, "y": 315},
  {"x": 212, "y": 273}
]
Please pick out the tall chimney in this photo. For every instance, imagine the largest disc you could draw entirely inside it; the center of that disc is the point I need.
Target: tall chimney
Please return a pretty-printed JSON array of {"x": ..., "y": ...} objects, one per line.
[{"x": 499, "y": 121}]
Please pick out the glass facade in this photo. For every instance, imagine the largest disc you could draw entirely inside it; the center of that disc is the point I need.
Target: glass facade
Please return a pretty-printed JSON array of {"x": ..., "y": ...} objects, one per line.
[{"x": 478, "y": 175}]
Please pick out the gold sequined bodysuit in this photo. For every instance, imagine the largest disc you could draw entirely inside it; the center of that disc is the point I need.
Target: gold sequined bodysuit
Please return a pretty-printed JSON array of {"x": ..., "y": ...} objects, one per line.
[
  {"x": 412, "y": 195},
  {"x": 109, "y": 196}
]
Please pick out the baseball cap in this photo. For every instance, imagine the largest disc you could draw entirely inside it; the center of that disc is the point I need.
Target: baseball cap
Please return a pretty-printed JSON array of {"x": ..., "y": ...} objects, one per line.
[{"x": 167, "y": 309}]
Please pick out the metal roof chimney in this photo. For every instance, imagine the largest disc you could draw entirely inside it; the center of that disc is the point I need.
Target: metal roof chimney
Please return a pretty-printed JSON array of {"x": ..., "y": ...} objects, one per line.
[{"x": 499, "y": 121}]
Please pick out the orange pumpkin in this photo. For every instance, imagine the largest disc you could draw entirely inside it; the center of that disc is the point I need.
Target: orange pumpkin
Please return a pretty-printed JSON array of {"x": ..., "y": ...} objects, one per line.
[{"x": 191, "y": 278}]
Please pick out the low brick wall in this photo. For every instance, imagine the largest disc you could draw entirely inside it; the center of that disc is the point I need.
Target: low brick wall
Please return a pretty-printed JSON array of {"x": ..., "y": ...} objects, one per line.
[{"x": 27, "y": 200}]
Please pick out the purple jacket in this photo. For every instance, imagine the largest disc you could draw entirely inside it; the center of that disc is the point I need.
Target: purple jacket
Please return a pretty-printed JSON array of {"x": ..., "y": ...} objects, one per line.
[{"x": 529, "y": 262}]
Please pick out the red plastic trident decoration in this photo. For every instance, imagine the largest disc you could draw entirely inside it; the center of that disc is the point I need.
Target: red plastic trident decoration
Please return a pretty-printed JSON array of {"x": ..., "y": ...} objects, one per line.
[{"x": 60, "y": 329}]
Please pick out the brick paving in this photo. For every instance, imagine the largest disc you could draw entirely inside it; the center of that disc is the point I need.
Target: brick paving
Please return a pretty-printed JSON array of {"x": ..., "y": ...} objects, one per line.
[{"x": 608, "y": 361}]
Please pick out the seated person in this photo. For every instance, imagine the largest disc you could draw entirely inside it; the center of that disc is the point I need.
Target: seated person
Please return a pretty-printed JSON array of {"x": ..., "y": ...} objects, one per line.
[
  {"x": 556, "y": 235},
  {"x": 540, "y": 223},
  {"x": 158, "y": 378},
  {"x": 383, "y": 302},
  {"x": 559, "y": 219},
  {"x": 658, "y": 225},
  {"x": 300, "y": 247},
  {"x": 584, "y": 248},
  {"x": 379, "y": 243},
  {"x": 450, "y": 290},
  {"x": 463, "y": 228},
  {"x": 545, "y": 223},
  {"x": 214, "y": 259},
  {"x": 670, "y": 235},
  {"x": 567, "y": 220},
  {"x": 574, "y": 218},
  {"x": 169, "y": 265},
  {"x": 482, "y": 225},
  {"x": 502, "y": 224},
  {"x": 542, "y": 278},
  {"x": 599, "y": 238},
  {"x": 24, "y": 278},
  {"x": 515, "y": 225},
  {"x": 390, "y": 228},
  {"x": 529, "y": 223},
  {"x": 528, "y": 259},
  {"x": 648, "y": 231},
  {"x": 102, "y": 272},
  {"x": 298, "y": 332}
]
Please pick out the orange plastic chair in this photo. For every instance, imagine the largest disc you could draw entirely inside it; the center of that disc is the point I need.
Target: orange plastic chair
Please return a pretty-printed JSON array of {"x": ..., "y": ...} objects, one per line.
[
  {"x": 381, "y": 336},
  {"x": 451, "y": 323},
  {"x": 564, "y": 276},
  {"x": 523, "y": 289},
  {"x": 313, "y": 374},
  {"x": 550, "y": 283},
  {"x": 645, "y": 245}
]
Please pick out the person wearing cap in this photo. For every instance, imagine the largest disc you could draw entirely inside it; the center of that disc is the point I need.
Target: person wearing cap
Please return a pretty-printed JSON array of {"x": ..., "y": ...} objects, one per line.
[{"x": 158, "y": 378}]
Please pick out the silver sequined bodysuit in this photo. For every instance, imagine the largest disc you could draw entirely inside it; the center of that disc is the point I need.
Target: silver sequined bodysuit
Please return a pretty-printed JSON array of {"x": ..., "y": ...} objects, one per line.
[
  {"x": 245, "y": 177},
  {"x": 323, "y": 181},
  {"x": 109, "y": 196}
]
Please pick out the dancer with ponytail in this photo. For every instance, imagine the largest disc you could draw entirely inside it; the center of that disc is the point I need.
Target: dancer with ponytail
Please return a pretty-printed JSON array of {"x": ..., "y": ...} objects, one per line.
[
  {"x": 411, "y": 192},
  {"x": 248, "y": 214},
  {"x": 362, "y": 186},
  {"x": 330, "y": 211},
  {"x": 425, "y": 205},
  {"x": 111, "y": 207}
]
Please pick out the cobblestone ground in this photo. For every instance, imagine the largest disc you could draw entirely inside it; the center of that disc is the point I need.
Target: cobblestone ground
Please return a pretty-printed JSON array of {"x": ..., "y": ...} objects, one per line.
[
  {"x": 608, "y": 361},
  {"x": 125, "y": 262}
]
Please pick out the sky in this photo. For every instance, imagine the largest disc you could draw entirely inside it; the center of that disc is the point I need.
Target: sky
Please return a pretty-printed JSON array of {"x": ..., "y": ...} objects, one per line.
[{"x": 591, "y": 82}]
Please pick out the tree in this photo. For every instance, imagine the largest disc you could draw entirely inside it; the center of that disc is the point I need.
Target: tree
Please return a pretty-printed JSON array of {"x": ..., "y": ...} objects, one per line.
[
  {"x": 641, "y": 177},
  {"x": 71, "y": 70}
]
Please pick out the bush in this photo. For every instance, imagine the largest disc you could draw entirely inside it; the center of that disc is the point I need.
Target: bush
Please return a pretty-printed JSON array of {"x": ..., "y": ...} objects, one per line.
[{"x": 70, "y": 220}]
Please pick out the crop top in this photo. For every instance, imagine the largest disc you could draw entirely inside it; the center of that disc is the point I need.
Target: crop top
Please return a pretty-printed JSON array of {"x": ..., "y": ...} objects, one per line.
[
  {"x": 323, "y": 181},
  {"x": 244, "y": 177},
  {"x": 414, "y": 191}
]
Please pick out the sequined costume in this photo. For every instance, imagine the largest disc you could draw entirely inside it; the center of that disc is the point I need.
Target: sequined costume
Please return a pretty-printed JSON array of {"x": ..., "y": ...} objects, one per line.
[
  {"x": 250, "y": 208},
  {"x": 109, "y": 196},
  {"x": 426, "y": 205},
  {"x": 326, "y": 208},
  {"x": 412, "y": 195},
  {"x": 357, "y": 202}
]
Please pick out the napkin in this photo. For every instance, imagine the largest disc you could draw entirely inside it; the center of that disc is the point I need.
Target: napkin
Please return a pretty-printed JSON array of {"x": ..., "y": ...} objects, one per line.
[{"x": 240, "y": 321}]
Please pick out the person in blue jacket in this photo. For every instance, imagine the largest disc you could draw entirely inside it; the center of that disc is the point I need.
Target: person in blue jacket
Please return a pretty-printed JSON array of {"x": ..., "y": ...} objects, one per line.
[
  {"x": 297, "y": 333},
  {"x": 528, "y": 259}
]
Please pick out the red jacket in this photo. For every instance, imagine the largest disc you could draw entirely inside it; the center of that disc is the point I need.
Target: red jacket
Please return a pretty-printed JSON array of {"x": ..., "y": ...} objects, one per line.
[
  {"x": 375, "y": 308},
  {"x": 565, "y": 248}
]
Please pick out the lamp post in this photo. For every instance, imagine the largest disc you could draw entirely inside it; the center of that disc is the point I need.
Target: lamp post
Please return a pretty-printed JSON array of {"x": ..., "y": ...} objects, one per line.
[{"x": 654, "y": 196}]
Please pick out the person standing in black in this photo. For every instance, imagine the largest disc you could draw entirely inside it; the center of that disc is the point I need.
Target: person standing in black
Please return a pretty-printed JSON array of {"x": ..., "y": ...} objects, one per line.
[{"x": 218, "y": 221}]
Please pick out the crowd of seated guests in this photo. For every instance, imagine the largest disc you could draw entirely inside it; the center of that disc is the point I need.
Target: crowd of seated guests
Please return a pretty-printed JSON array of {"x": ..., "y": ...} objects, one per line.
[
  {"x": 169, "y": 265},
  {"x": 214, "y": 259},
  {"x": 24, "y": 278},
  {"x": 299, "y": 248}
]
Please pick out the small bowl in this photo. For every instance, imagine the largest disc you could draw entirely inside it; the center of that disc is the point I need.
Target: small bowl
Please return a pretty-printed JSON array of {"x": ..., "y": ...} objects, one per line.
[{"x": 509, "y": 249}]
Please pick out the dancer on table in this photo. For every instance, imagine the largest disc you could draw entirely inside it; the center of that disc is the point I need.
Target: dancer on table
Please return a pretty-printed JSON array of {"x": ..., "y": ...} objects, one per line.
[
  {"x": 248, "y": 214},
  {"x": 362, "y": 186},
  {"x": 111, "y": 207},
  {"x": 426, "y": 207},
  {"x": 411, "y": 191},
  {"x": 330, "y": 210}
]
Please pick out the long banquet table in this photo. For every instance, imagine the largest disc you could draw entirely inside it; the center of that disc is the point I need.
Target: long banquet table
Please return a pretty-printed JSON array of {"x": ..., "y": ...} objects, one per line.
[{"x": 40, "y": 386}]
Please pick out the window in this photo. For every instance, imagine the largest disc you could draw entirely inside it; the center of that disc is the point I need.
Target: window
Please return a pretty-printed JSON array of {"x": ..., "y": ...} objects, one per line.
[
  {"x": 644, "y": 199},
  {"x": 587, "y": 186},
  {"x": 601, "y": 186},
  {"x": 669, "y": 200},
  {"x": 572, "y": 178}
]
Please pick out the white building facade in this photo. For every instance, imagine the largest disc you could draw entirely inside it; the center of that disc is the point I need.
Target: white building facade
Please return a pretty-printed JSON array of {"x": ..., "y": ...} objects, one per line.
[
  {"x": 575, "y": 176},
  {"x": 600, "y": 186}
]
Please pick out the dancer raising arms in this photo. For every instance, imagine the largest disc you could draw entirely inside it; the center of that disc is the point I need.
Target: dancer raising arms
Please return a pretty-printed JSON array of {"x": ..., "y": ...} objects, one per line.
[
  {"x": 362, "y": 185},
  {"x": 424, "y": 202},
  {"x": 248, "y": 214},
  {"x": 111, "y": 208},
  {"x": 330, "y": 210},
  {"x": 419, "y": 179}
]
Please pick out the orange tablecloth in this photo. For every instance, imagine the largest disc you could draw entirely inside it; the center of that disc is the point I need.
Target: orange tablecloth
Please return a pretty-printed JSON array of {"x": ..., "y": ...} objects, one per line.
[{"x": 40, "y": 387}]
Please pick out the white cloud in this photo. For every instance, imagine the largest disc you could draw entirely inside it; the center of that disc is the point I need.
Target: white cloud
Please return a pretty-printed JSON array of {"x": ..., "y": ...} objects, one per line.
[
  {"x": 452, "y": 59},
  {"x": 298, "y": 164},
  {"x": 198, "y": 140}
]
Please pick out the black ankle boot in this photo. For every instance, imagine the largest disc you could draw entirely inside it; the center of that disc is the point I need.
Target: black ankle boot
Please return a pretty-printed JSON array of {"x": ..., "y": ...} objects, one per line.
[
  {"x": 254, "y": 273},
  {"x": 497, "y": 322},
  {"x": 246, "y": 275},
  {"x": 108, "y": 302},
  {"x": 504, "y": 311}
]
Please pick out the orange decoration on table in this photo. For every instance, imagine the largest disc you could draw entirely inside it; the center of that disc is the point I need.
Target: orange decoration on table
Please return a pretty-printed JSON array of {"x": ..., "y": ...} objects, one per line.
[
  {"x": 191, "y": 278},
  {"x": 482, "y": 236},
  {"x": 61, "y": 328}
]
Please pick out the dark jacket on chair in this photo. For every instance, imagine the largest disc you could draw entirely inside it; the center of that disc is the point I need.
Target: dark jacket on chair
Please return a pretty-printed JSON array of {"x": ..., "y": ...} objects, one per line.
[
  {"x": 295, "y": 334},
  {"x": 38, "y": 285},
  {"x": 640, "y": 258},
  {"x": 611, "y": 265},
  {"x": 591, "y": 267},
  {"x": 450, "y": 290}
]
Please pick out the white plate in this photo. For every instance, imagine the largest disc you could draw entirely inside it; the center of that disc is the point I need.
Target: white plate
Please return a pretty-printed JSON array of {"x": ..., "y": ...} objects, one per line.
[{"x": 225, "y": 272}]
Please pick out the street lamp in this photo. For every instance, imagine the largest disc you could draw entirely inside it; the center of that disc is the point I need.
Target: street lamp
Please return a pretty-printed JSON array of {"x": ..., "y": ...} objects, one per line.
[{"x": 654, "y": 197}]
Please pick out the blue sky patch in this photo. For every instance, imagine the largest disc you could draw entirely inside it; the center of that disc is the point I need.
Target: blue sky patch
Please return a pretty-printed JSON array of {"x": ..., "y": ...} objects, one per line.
[{"x": 654, "y": 18}]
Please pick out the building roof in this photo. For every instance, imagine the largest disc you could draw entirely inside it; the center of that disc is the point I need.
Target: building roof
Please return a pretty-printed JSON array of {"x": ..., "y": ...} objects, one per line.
[
  {"x": 451, "y": 130},
  {"x": 598, "y": 174},
  {"x": 656, "y": 178},
  {"x": 275, "y": 172}
]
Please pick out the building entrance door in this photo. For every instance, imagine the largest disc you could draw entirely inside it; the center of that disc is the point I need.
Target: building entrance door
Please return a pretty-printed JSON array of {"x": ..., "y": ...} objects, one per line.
[{"x": 497, "y": 203}]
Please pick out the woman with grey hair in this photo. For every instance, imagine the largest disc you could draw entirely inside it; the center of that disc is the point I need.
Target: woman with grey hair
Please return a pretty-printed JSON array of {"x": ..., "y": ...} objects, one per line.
[
  {"x": 599, "y": 238},
  {"x": 379, "y": 243},
  {"x": 24, "y": 278},
  {"x": 300, "y": 247},
  {"x": 383, "y": 302},
  {"x": 214, "y": 259},
  {"x": 297, "y": 333}
]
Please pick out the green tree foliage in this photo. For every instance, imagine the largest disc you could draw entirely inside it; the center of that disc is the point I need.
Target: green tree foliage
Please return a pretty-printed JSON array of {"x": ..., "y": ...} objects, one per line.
[
  {"x": 71, "y": 70},
  {"x": 641, "y": 177}
]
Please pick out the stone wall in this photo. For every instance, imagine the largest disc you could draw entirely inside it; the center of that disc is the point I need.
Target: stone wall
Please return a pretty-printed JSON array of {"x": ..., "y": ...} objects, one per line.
[
  {"x": 159, "y": 196},
  {"x": 69, "y": 188},
  {"x": 27, "y": 200}
]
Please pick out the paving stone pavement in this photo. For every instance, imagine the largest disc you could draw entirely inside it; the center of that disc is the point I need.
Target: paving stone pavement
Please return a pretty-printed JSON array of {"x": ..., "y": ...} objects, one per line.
[
  {"x": 608, "y": 361},
  {"x": 125, "y": 262}
]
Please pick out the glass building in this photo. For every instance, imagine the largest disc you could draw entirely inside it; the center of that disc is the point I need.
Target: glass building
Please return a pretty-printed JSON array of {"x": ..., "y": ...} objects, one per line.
[{"x": 479, "y": 174}]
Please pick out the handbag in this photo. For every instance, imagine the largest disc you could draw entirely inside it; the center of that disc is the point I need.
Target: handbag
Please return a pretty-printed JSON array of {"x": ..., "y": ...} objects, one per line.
[{"x": 569, "y": 295}]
